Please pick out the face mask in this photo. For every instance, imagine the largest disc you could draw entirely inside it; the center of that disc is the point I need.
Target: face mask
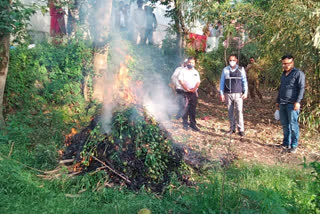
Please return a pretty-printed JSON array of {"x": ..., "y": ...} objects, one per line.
[
  {"x": 189, "y": 66},
  {"x": 232, "y": 63}
]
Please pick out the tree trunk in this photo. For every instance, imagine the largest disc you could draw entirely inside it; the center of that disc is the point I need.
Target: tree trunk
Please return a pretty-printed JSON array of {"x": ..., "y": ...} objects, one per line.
[
  {"x": 102, "y": 21},
  {"x": 179, "y": 27},
  {"x": 102, "y": 29},
  {"x": 4, "y": 63},
  {"x": 73, "y": 18}
]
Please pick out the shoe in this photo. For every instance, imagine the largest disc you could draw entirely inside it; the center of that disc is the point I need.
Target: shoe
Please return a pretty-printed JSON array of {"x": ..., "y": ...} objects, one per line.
[
  {"x": 285, "y": 146},
  {"x": 185, "y": 127},
  {"x": 194, "y": 128},
  {"x": 293, "y": 150},
  {"x": 241, "y": 134},
  {"x": 232, "y": 131}
]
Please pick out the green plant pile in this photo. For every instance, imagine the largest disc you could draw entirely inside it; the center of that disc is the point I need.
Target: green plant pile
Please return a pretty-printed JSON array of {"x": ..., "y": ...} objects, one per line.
[{"x": 136, "y": 147}]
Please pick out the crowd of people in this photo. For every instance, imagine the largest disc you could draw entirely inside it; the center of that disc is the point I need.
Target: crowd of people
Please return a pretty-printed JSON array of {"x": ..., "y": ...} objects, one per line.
[
  {"x": 234, "y": 88},
  {"x": 140, "y": 24}
]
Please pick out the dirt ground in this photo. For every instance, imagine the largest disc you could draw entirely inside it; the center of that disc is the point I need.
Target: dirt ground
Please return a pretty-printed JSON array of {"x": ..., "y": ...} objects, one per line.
[{"x": 262, "y": 140}]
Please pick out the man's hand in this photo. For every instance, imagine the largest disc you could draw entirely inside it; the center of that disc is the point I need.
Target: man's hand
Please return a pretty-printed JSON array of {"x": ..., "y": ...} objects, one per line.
[
  {"x": 277, "y": 105},
  {"x": 296, "y": 106},
  {"x": 244, "y": 96},
  {"x": 222, "y": 99}
]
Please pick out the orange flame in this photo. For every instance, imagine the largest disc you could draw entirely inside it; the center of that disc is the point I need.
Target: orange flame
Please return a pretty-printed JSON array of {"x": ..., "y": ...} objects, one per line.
[
  {"x": 69, "y": 136},
  {"x": 122, "y": 85},
  {"x": 78, "y": 166}
]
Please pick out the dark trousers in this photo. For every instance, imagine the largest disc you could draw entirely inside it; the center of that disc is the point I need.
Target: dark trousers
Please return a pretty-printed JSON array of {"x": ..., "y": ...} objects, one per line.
[
  {"x": 181, "y": 101},
  {"x": 190, "y": 109}
]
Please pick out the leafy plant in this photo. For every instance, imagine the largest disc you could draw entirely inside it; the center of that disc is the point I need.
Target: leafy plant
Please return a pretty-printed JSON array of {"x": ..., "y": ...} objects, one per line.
[{"x": 316, "y": 174}]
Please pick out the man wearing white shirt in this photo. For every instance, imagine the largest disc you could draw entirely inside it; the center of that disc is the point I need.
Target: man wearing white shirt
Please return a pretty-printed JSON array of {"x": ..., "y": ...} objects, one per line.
[
  {"x": 234, "y": 89},
  {"x": 179, "y": 89},
  {"x": 189, "y": 79}
]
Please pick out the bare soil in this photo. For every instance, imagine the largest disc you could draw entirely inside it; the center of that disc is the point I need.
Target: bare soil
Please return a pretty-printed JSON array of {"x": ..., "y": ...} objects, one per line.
[{"x": 262, "y": 140}]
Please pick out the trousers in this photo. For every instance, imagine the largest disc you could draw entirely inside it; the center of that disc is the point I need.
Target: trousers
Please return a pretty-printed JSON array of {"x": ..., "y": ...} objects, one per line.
[
  {"x": 290, "y": 125},
  {"x": 190, "y": 109},
  {"x": 235, "y": 111}
]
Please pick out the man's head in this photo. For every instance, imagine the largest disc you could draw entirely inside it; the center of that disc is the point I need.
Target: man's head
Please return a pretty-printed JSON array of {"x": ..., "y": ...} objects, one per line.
[
  {"x": 252, "y": 60},
  {"x": 191, "y": 62},
  {"x": 139, "y": 3},
  {"x": 121, "y": 4},
  {"x": 185, "y": 62},
  {"x": 233, "y": 59},
  {"x": 287, "y": 62}
]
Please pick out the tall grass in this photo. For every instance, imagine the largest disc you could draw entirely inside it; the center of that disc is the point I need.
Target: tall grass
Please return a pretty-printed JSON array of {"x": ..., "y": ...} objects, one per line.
[{"x": 248, "y": 189}]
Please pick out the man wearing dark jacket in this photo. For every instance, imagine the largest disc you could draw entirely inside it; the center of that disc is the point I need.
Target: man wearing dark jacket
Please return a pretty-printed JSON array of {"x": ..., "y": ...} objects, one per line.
[
  {"x": 233, "y": 90},
  {"x": 289, "y": 98}
]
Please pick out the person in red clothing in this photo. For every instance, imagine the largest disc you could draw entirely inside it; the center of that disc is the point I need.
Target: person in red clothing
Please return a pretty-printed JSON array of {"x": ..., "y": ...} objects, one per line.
[{"x": 57, "y": 24}]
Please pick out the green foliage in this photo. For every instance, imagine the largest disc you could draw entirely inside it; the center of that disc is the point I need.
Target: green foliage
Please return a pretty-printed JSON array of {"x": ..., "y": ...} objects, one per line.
[
  {"x": 136, "y": 146},
  {"x": 47, "y": 75},
  {"x": 43, "y": 99},
  {"x": 151, "y": 146},
  {"x": 316, "y": 174},
  {"x": 14, "y": 17}
]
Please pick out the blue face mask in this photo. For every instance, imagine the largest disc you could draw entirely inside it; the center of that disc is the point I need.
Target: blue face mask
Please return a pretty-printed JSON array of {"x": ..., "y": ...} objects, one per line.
[{"x": 189, "y": 66}]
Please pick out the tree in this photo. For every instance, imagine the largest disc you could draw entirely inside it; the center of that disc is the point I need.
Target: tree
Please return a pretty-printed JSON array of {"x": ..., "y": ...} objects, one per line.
[
  {"x": 73, "y": 17},
  {"x": 14, "y": 17}
]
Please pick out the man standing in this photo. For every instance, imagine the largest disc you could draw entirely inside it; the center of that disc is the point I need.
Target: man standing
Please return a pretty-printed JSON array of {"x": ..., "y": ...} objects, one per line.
[
  {"x": 289, "y": 97},
  {"x": 151, "y": 24},
  {"x": 252, "y": 70},
  {"x": 189, "y": 79},
  {"x": 234, "y": 89},
  {"x": 139, "y": 23},
  {"x": 179, "y": 89}
]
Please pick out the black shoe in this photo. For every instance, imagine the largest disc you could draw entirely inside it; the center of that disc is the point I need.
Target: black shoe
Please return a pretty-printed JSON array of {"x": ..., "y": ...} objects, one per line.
[
  {"x": 185, "y": 127},
  {"x": 285, "y": 146},
  {"x": 241, "y": 134},
  {"x": 293, "y": 150},
  {"x": 195, "y": 128},
  {"x": 232, "y": 131}
]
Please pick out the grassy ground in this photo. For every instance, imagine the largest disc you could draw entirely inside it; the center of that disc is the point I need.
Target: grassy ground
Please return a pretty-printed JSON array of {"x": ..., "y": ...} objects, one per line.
[{"x": 248, "y": 188}]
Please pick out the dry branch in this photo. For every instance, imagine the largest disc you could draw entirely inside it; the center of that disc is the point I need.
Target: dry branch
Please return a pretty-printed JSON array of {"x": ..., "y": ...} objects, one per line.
[{"x": 112, "y": 170}]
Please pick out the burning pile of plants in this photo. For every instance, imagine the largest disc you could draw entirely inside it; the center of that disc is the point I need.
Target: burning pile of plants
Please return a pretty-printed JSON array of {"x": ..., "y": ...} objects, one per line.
[{"x": 136, "y": 150}]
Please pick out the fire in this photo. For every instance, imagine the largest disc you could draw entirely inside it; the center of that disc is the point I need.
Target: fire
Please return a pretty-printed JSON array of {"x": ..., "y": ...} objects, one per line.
[
  {"x": 122, "y": 86},
  {"x": 79, "y": 166},
  {"x": 69, "y": 136}
]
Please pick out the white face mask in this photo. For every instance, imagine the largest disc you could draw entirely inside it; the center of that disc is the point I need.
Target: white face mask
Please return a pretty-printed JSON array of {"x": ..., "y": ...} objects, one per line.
[{"x": 232, "y": 63}]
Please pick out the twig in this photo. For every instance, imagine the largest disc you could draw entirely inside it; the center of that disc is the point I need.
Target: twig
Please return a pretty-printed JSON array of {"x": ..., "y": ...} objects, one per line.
[
  {"x": 21, "y": 163},
  {"x": 98, "y": 169},
  {"x": 11, "y": 149},
  {"x": 72, "y": 195},
  {"x": 66, "y": 161},
  {"x": 74, "y": 173},
  {"x": 112, "y": 170}
]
